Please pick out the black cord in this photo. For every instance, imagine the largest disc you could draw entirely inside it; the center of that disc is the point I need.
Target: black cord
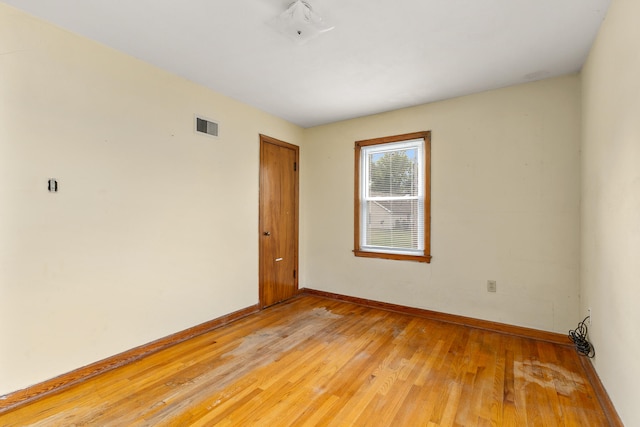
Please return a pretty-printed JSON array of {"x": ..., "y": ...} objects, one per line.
[{"x": 579, "y": 338}]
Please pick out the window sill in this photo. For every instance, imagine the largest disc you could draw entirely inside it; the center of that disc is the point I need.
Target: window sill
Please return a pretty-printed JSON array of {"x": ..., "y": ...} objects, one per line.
[{"x": 399, "y": 257}]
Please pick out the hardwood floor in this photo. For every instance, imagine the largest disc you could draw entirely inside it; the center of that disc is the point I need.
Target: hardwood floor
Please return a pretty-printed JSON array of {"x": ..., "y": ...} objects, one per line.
[{"x": 315, "y": 361}]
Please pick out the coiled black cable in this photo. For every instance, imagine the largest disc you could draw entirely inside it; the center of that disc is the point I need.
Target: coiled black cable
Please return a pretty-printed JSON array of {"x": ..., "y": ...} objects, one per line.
[{"x": 579, "y": 338}]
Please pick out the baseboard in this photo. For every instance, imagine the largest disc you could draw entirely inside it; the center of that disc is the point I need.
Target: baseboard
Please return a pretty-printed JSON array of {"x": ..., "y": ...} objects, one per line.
[
  {"x": 601, "y": 393},
  {"x": 55, "y": 385},
  {"x": 503, "y": 328}
]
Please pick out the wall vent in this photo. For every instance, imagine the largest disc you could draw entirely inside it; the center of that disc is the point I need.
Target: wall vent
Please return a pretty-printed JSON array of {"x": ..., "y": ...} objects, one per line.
[{"x": 206, "y": 126}]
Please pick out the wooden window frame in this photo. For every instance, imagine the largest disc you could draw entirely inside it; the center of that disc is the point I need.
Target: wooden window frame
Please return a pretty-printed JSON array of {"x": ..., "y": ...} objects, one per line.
[{"x": 426, "y": 257}]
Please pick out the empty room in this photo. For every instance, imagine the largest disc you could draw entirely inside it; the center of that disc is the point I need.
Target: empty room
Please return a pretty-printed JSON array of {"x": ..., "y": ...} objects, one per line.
[{"x": 322, "y": 212}]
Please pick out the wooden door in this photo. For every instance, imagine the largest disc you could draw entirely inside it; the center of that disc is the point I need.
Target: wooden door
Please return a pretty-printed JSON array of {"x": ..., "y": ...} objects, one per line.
[{"x": 278, "y": 221}]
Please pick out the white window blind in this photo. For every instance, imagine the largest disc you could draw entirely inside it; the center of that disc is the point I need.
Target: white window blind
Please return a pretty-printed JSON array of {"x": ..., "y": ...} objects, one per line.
[{"x": 392, "y": 197}]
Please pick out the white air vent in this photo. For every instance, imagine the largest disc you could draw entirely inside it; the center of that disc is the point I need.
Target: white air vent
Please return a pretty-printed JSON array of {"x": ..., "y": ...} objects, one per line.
[{"x": 206, "y": 126}]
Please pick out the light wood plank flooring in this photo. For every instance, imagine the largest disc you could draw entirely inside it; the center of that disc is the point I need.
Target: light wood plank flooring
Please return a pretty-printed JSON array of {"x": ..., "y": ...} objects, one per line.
[{"x": 314, "y": 362}]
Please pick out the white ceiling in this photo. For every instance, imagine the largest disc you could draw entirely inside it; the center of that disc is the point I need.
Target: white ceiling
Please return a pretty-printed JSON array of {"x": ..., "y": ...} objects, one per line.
[{"x": 382, "y": 54}]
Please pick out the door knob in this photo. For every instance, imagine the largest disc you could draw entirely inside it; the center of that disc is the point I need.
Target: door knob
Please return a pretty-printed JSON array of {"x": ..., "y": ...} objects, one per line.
[{"x": 267, "y": 233}]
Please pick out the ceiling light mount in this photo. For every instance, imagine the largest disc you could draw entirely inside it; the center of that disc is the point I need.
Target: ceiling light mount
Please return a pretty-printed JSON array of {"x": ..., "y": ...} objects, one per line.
[{"x": 300, "y": 23}]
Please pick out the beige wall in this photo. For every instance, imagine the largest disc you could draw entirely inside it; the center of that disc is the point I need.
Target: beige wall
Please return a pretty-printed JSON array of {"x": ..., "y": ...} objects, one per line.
[
  {"x": 154, "y": 228},
  {"x": 611, "y": 204},
  {"x": 505, "y": 206}
]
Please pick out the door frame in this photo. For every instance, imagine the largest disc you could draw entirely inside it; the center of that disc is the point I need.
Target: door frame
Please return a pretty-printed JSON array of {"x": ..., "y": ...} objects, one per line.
[{"x": 264, "y": 139}]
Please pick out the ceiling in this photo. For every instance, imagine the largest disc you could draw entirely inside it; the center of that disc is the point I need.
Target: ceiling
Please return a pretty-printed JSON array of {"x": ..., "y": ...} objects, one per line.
[{"x": 381, "y": 56}]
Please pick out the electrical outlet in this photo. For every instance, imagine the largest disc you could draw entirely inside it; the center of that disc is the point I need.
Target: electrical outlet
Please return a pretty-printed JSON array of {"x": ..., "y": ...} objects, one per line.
[
  {"x": 590, "y": 319},
  {"x": 491, "y": 286}
]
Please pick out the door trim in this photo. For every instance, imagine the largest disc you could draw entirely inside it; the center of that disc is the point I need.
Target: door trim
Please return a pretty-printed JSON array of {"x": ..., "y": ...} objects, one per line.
[{"x": 264, "y": 139}]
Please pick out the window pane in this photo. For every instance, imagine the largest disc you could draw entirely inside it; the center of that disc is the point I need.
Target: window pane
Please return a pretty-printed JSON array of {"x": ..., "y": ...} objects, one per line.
[
  {"x": 393, "y": 173},
  {"x": 393, "y": 224}
]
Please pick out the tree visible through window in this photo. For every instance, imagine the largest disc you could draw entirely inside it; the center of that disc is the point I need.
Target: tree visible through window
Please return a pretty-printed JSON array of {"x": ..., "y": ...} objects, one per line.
[{"x": 392, "y": 206}]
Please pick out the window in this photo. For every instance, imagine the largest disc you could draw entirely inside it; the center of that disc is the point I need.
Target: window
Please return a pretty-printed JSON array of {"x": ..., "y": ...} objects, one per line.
[{"x": 392, "y": 197}]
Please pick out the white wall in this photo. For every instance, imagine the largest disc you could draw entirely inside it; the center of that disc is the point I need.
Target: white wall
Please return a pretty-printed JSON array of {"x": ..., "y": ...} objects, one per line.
[
  {"x": 505, "y": 206},
  {"x": 610, "y": 272},
  {"x": 154, "y": 228}
]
